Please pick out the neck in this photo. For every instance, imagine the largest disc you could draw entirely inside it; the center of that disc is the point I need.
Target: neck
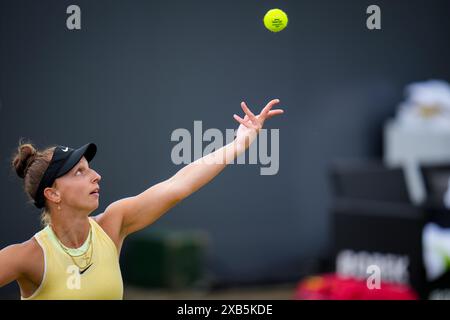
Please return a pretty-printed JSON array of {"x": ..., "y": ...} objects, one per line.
[{"x": 70, "y": 228}]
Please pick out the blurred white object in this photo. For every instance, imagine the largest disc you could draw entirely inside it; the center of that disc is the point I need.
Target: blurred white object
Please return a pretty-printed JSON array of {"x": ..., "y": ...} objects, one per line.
[
  {"x": 410, "y": 148},
  {"x": 420, "y": 133},
  {"x": 447, "y": 196},
  {"x": 427, "y": 106},
  {"x": 436, "y": 250}
]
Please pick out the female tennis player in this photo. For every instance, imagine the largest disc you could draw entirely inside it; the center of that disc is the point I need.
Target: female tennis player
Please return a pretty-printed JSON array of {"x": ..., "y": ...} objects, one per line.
[{"x": 76, "y": 256}]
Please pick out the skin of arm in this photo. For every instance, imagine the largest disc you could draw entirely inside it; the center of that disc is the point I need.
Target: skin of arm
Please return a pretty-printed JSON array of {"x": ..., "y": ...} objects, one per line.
[
  {"x": 131, "y": 214},
  {"x": 24, "y": 262},
  {"x": 10, "y": 268}
]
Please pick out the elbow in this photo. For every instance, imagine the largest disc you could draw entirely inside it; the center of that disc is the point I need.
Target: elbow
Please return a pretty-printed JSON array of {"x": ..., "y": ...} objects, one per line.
[
  {"x": 178, "y": 192},
  {"x": 182, "y": 193}
]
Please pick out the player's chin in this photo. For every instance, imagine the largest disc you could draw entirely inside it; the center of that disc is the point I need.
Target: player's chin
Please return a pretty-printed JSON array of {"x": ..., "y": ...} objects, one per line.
[
  {"x": 93, "y": 206},
  {"x": 92, "y": 202}
]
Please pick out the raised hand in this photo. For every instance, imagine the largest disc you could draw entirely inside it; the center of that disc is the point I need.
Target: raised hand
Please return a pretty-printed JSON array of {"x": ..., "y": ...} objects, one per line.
[{"x": 250, "y": 125}]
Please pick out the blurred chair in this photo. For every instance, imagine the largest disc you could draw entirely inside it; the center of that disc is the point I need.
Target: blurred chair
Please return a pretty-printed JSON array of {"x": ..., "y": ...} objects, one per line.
[
  {"x": 436, "y": 181},
  {"x": 374, "y": 222},
  {"x": 368, "y": 180}
]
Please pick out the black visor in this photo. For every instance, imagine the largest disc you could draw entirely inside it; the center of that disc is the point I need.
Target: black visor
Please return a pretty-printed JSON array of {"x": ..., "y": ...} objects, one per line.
[{"x": 63, "y": 160}]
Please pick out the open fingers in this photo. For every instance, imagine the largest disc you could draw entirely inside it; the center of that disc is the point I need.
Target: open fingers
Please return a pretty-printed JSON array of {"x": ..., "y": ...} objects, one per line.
[
  {"x": 249, "y": 113},
  {"x": 275, "y": 112},
  {"x": 240, "y": 120},
  {"x": 265, "y": 111}
]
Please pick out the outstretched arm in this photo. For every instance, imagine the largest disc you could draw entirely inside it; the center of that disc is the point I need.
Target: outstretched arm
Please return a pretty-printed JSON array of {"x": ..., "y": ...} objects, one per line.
[
  {"x": 195, "y": 175},
  {"x": 135, "y": 213}
]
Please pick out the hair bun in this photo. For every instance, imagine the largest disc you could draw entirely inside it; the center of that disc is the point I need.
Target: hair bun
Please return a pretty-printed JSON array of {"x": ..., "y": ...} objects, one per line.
[{"x": 26, "y": 153}]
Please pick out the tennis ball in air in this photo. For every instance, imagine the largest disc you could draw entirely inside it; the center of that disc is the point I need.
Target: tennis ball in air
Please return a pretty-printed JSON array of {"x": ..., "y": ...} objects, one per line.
[{"x": 275, "y": 20}]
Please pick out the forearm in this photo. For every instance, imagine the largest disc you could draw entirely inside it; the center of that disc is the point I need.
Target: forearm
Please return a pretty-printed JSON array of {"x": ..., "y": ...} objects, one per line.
[
  {"x": 195, "y": 175},
  {"x": 136, "y": 213},
  {"x": 198, "y": 173}
]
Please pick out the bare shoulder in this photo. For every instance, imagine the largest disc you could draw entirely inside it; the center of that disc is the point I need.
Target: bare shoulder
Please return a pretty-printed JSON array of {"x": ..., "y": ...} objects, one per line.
[
  {"x": 24, "y": 253},
  {"x": 31, "y": 253},
  {"x": 111, "y": 222},
  {"x": 23, "y": 262},
  {"x": 33, "y": 266},
  {"x": 32, "y": 248}
]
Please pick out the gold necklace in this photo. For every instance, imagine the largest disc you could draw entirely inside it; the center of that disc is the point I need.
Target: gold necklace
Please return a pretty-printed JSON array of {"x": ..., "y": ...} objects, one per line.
[{"x": 87, "y": 259}]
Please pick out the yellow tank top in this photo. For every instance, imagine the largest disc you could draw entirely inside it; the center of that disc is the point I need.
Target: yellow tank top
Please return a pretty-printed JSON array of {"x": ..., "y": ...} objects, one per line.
[{"x": 63, "y": 280}]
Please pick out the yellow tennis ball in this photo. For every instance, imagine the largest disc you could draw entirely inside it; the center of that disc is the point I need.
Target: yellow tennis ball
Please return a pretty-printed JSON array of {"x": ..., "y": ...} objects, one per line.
[{"x": 275, "y": 20}]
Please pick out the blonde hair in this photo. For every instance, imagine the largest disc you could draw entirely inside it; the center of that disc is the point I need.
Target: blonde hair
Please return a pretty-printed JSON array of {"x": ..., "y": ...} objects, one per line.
[{"x": 45, "y": 218}]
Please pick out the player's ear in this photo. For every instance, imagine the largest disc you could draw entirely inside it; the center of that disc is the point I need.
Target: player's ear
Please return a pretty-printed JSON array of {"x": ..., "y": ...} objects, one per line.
[{"x": 52, "y": 195}]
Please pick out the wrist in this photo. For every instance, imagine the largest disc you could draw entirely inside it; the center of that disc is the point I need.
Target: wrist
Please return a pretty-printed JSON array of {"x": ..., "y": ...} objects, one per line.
[{"x": 239, "y": 146}]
